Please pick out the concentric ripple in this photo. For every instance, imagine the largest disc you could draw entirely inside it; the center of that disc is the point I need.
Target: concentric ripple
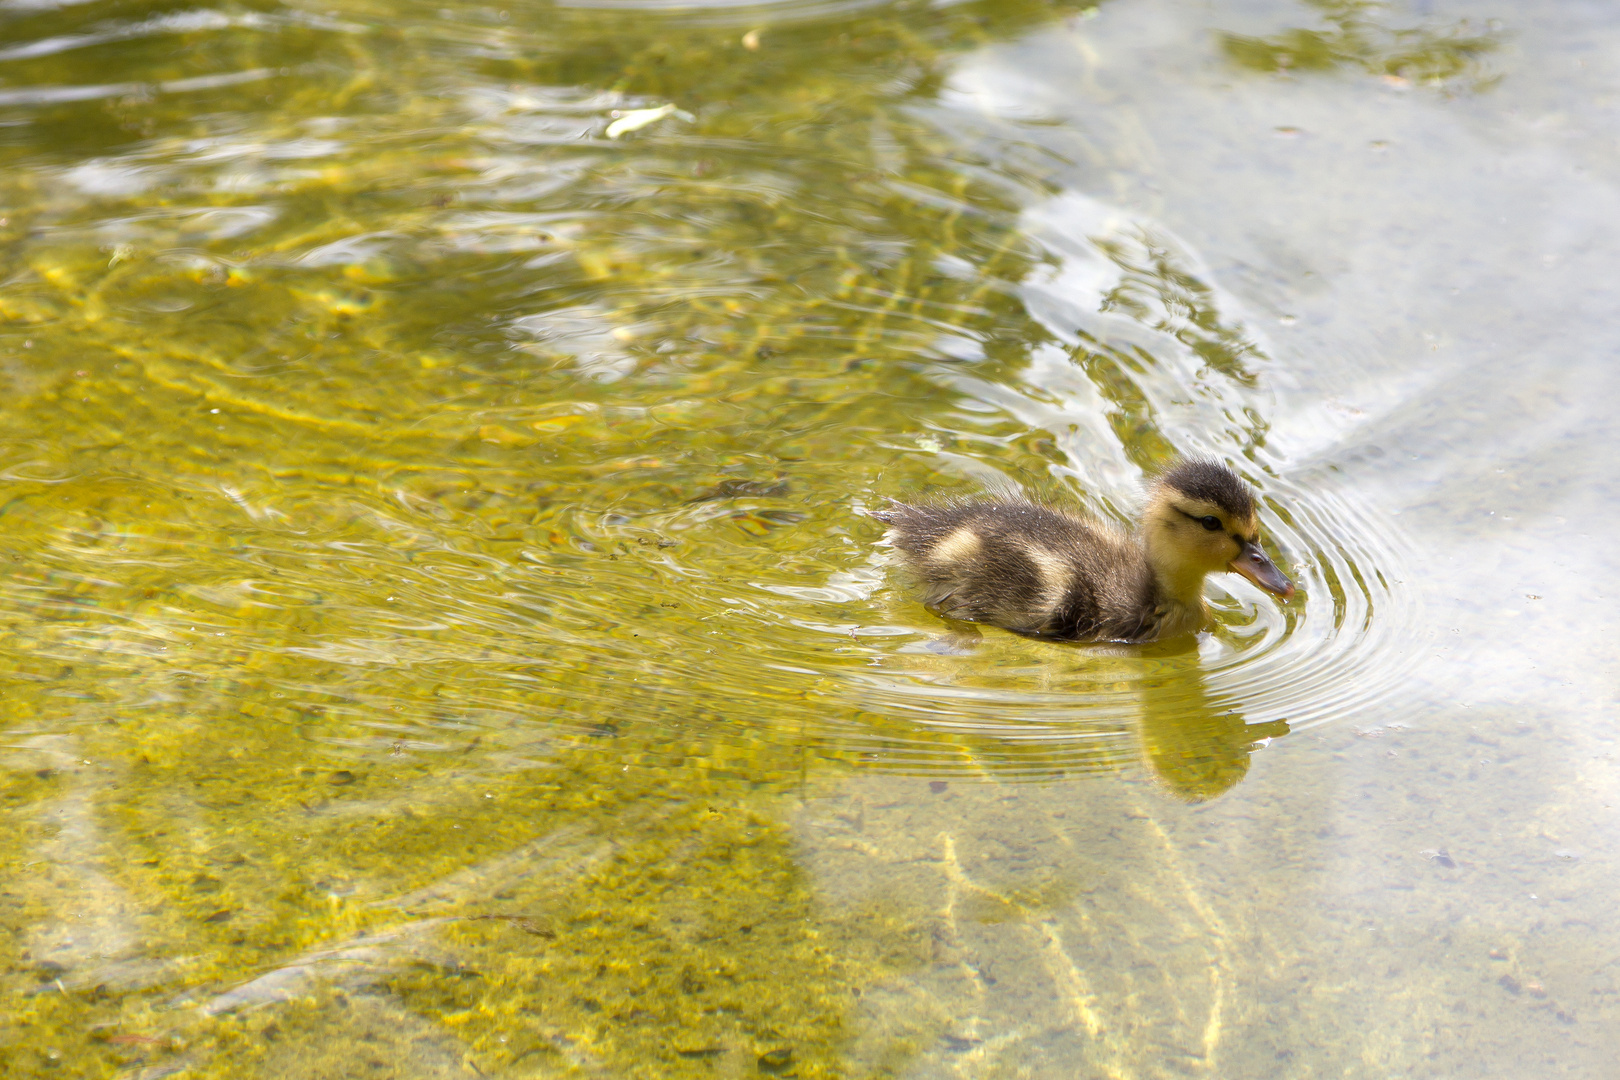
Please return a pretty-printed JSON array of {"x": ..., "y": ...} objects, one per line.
[{"x": 1153, "y": 363}]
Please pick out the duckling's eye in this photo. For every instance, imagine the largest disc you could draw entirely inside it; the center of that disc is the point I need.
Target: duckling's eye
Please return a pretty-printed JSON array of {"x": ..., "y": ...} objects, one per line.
[{"x": 1210, "y": 522}]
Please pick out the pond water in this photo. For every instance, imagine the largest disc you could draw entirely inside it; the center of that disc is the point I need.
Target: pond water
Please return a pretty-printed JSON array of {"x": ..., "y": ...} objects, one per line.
[{"x": 441, "y": 629}]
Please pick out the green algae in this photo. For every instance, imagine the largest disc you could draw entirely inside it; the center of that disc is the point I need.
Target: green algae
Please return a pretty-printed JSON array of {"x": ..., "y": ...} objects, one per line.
[{"x": 1360, "y": 37}]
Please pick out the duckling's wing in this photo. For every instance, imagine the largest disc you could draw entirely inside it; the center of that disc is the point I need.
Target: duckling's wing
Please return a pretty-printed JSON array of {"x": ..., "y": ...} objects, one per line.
[
  {"x": 983, "y": 561},
  {"x": 1026, "y": 568},
  {"x": 955, "y": 550}
]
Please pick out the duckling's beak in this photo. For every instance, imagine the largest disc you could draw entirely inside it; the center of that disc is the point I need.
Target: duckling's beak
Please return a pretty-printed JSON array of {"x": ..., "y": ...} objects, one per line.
[{"x": 1256, "y": 565}]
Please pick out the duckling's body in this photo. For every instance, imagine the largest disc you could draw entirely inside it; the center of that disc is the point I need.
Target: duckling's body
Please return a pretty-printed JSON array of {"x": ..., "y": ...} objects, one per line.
[
  {"x": 1028, "y": 568},
  {"x": 1037, "y": 570}
]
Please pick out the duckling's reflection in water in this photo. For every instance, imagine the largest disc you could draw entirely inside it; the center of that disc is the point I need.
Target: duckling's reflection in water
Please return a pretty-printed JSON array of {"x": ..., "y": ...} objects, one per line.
[
  {"x": 1009, "y": 706},
  {"x": 1195, "y": 744}
]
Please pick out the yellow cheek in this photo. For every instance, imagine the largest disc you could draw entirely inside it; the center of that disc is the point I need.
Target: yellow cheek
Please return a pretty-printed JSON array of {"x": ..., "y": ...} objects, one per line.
[
  {"x": 1207, "y": 549},
  {"x": 1221, "y": 549}
]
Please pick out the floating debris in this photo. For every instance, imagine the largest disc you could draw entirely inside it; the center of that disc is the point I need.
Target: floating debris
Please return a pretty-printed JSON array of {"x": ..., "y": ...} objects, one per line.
[
  {"x": 737, "y": 489},
  {"x": 760, "y": 522},
  {"x": 625, "y": 122}
]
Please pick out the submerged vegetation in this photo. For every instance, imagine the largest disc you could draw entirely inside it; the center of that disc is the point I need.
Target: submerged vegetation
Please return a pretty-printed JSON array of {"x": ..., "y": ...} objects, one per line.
[{"x": 1359, "y": 36}]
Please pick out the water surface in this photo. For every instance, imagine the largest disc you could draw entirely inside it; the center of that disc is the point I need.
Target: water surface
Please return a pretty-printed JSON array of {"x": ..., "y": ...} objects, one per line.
[{"x": 442, "y": 633}]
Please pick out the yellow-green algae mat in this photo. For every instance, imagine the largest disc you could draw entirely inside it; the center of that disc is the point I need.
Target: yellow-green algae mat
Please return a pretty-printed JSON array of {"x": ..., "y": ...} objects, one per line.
[{"x": 389, "y": 456}]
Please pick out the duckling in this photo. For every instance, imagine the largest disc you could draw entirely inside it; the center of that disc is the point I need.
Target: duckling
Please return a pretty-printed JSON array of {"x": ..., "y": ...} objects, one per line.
[{"x": 1044, "y": 572}]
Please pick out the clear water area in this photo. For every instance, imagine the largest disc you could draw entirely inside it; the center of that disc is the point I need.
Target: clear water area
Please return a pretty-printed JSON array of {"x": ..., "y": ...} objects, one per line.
[{"x": 442, "y": 634}]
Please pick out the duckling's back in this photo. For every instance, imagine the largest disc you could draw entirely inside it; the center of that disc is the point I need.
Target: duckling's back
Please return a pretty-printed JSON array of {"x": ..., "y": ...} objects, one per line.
[{"x": 1026, "y": 568}]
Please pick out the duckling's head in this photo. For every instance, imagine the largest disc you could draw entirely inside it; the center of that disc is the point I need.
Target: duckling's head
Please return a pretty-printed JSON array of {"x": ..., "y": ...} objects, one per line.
[{"x": 1200, "y": 519}]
